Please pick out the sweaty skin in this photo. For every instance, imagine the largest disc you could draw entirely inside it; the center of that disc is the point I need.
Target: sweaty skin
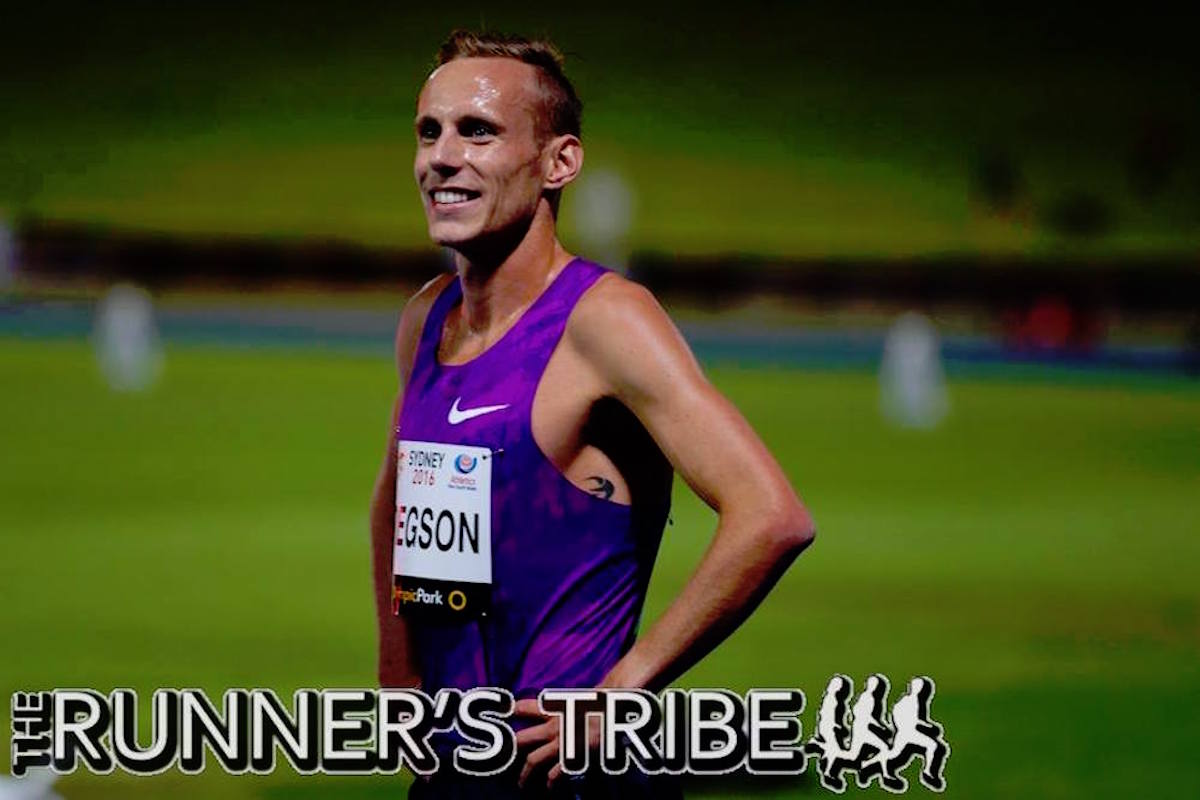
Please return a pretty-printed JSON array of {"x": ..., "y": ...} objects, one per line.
[{"x": 620, "y": 358}]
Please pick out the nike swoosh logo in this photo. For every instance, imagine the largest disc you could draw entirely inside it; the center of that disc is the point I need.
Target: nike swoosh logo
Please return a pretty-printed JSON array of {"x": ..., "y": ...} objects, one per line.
[{"x": 458, "y": 415}]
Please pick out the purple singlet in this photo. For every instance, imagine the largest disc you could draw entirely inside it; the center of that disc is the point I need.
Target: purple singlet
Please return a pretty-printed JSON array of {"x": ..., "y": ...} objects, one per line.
[{"x": 569, "y": 569}]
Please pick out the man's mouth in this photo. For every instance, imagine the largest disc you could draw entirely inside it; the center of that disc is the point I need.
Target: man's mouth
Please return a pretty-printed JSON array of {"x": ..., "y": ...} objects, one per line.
[{"x": 452, "y": 197}]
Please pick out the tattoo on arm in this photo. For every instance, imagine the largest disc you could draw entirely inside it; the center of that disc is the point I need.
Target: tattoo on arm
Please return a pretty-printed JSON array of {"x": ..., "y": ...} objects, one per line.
[{"x": 603, "y": 487}]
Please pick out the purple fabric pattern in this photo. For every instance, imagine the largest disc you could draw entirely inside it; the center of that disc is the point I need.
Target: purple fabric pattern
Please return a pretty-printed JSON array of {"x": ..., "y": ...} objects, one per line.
[{"x": 569, "y": 569}]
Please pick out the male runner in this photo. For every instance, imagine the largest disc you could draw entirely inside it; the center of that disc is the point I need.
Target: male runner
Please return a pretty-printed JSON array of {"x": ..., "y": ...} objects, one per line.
[{"x": 570, "y": 396}]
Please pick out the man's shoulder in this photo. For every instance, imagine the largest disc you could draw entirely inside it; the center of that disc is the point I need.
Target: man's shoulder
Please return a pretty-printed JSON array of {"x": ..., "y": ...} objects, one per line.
[
  {"x": 625, "y": 336},
  {"x": 614, "y": 304},
  {"x": 412, "y": 320},
  {"x": 419, "y": 304}
]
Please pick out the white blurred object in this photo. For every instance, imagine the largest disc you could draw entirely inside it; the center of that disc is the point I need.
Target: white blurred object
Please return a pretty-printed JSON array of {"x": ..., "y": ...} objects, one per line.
[
  {"x": 8, "y": 254},
  {"x": 912, "y": 383},
  {"x": 602, "y": 211},
  {"x": 33, "y": 785},
  {"x": 126, "y": 338}
]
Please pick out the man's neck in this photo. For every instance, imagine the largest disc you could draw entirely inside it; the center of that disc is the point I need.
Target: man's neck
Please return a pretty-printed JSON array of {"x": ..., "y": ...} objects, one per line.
[{"x": 496, "y": 290}]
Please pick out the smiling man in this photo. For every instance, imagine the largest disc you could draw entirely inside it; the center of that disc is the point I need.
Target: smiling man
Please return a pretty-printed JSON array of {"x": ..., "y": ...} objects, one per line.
[{"x": 544, "y": 403}]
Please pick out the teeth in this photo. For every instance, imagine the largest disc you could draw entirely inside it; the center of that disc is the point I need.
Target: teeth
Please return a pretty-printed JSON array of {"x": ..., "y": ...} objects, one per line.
[{"x": 450, "y": 196}]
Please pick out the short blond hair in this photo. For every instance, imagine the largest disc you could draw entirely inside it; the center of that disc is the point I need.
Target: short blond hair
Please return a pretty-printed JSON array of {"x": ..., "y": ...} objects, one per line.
[{"x": 562, "y": 108}]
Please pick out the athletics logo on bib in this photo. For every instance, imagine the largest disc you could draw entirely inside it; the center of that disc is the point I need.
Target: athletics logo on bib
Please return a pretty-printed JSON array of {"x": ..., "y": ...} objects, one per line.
[{"x": 442, "y": 550}]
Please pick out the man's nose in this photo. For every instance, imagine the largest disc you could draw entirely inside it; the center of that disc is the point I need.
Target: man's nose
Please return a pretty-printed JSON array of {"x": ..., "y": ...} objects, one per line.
[{"x": 446, "y": 156}]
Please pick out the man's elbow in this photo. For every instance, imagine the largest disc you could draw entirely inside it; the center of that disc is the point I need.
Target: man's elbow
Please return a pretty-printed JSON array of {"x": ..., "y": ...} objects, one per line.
[{"x": 789, "y": 530}]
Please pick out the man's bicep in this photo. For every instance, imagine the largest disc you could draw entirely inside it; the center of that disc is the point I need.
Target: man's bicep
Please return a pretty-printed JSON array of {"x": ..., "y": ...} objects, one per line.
[
  {"x": 709, "y": 442},
  {"x": 639, "y": 354},
  {"x": 651, "y": 370}
]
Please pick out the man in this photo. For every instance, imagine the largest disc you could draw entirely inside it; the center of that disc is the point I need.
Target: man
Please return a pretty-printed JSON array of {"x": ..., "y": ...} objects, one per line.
[{"x": 567, "y": 391}]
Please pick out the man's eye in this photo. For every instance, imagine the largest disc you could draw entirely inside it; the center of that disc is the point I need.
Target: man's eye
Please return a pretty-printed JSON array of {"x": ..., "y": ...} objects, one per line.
[
  {"x": 429, "y": 131},
  {"x": 479, "y": 129}
]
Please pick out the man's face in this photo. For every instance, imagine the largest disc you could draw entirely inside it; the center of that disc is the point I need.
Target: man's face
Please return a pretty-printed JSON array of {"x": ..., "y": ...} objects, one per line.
[{"x": 479, "y": 162}]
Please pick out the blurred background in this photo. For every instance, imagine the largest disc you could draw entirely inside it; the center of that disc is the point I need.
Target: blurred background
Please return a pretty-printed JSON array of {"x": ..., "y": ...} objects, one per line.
[{"x": 946, "y": 263}]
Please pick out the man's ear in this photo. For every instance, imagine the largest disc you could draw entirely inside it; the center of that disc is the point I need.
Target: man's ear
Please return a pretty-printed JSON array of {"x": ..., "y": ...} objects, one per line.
[{"x": 566, "y": 159}]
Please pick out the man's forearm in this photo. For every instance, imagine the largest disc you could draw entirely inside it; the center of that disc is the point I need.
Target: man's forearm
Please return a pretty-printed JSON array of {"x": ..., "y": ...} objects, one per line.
[{"x": 735, "y": 574}]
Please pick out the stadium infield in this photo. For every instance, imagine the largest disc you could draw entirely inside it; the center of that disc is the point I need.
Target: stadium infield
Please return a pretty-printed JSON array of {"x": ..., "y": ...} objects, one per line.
[{"x": 1036, "y": 555}]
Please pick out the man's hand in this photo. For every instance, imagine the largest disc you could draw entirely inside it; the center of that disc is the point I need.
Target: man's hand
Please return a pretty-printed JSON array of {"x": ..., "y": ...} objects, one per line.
[{"x": 542, "y": 741}]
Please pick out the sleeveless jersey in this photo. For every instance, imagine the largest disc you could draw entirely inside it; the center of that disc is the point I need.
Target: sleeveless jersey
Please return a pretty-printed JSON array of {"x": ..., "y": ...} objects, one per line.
[{"x": 569, "y": 569}]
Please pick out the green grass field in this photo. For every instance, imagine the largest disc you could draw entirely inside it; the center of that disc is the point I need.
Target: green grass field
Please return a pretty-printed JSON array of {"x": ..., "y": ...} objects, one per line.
[{"x": 1038, "y": 556}]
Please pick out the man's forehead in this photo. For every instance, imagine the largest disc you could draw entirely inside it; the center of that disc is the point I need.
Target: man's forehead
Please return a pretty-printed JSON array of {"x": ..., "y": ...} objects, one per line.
[{"x": 483, "y": 83}]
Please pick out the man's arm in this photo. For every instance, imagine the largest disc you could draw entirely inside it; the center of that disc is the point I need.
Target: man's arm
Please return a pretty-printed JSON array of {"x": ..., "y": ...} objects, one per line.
[
  {"x": 641, "y": 359},
  {"x": 397, "y": 666},
  {"x": 762, "y": 524}
]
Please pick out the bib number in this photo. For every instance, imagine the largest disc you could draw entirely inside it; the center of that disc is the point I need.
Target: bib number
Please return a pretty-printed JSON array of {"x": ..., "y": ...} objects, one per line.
[{"x": 442, "y": 543}]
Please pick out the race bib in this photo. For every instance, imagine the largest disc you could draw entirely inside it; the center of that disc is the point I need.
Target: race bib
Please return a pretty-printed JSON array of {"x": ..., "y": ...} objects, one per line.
[{"x": 442, "y": 548}]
